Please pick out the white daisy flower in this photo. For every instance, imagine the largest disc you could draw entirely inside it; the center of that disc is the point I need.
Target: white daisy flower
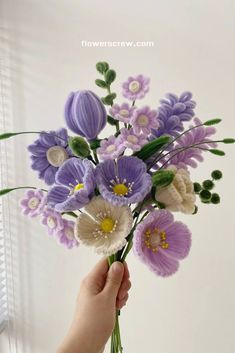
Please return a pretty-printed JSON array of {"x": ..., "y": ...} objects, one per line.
[
  {"x": 104, "y": 226},
  {"x": 179, "y": 195}
]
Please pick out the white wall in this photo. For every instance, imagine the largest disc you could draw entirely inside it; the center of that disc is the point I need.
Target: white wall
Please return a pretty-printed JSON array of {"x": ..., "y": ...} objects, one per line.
[{"x": 194, "y": 50}]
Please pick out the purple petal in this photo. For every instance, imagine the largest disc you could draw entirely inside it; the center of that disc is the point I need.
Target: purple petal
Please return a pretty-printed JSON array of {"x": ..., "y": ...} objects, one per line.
[{"x": 57, "y": 194}]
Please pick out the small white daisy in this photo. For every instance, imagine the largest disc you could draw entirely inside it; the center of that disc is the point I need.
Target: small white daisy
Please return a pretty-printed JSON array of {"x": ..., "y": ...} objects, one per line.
[{"x": 104, "y": 226}]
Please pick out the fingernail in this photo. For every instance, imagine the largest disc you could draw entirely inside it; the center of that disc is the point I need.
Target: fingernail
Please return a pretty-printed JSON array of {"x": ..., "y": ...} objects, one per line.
[{"x": 117, "y": 267}]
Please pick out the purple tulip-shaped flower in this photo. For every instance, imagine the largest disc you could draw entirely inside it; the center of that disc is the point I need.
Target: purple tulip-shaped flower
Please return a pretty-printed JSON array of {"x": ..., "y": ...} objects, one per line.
[{"x": 85, "y": 114}]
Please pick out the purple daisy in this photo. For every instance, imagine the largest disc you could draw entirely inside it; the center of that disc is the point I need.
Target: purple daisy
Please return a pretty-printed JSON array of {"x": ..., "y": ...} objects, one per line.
[
  {"x": 66, "y": 235},
  {"x": 49, "y": 152},
  {"x": 52, "y": 220},
  {"x": 110, "y": 148},
  {"x": 122, "y": 112},
  {"x": 33, "y": 203},
  {"x": 75, "y": 183},
  {"x": 160, "y": 242},
  {"x": 144, "y": 119},
  {"x": 131, "y": 140},
  {"x": 135, "y": 87},
  {"x": 123, "y": 182}
]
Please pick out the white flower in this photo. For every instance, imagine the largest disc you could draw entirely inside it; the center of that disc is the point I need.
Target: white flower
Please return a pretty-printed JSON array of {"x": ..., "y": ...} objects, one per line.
[
  {"x": 179, "y": 195},
  {"x": 104, "y": 226}
]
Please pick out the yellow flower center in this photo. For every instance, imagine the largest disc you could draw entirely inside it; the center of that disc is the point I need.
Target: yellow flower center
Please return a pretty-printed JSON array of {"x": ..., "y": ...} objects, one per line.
[
  {"x": 143, "y": 120},
  {"x": 124, "y": 112},
  {"x": 78, "y": 187},
  {"x": 107, "y": 225},
  {"x": 120, "y": 189},
  {"x": 134, "y": 86},
  {"x": 154, "y": 239}
]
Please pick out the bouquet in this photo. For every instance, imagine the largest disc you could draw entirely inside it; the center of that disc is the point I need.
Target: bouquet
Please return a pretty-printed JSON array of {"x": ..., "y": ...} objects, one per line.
[{"x": 120, "y": 192}]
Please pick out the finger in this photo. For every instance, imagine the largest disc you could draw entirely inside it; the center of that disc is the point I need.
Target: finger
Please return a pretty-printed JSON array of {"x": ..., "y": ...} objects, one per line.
[
  {"x": 96, "y": 278},
  {"x": 125, "y": 287},
  {"x": 121, "y": 303},
  {"x": 114, "y": 280},
  {"x": 126, "y": 271}
]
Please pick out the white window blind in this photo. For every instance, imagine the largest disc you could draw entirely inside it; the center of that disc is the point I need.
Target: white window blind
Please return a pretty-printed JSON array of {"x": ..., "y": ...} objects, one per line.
[{"x": 3, "y": 303}]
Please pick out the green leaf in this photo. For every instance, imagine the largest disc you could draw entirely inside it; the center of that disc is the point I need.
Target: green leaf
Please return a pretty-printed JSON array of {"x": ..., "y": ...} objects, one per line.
[
  {"x": 162, "y": 178},
  {"x": 5, "y": 191},
  {"x": 79, "y": 146},
  {"x": 95, "y": 144},
  {"x": 212, "y": 122},
  {"x": 100, "y": 83},
  {"x": 102, "y": 67},
  {"x": 111, "y": 120},
  {"x": 217, "y": 152},
  {"x": 110, "y": 76},
  {"x": 7, "y": 135},
  {"x": 108, "y": 100},
  {"x": 152, "y": 147},
  {"x": 228, "y": 140}
]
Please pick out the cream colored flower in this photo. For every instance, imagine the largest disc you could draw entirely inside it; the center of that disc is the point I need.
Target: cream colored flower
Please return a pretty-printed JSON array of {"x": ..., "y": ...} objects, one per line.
[
  {"x": 179, "y": 195},
  {"x": 104, "y": 226}
]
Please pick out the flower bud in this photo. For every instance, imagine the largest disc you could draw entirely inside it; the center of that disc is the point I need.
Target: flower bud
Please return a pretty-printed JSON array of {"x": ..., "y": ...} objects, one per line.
[
  {"x": 85, "y": 114},
  {"x": 79, "y": 146},
  {"x": 208, "y": 184},
  {"x": 215, "y": 199},
  {"x": 216, "y": 174}
]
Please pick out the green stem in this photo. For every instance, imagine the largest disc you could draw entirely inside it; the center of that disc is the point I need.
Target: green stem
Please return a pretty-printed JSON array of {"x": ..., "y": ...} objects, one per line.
[
  {"x": 72, "y": 214},
  {"x": 95, "y": 157},
  {"x": 37, "y": 132}
]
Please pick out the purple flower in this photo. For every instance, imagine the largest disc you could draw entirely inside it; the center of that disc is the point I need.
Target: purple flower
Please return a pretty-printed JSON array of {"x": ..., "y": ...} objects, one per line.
[
  {"x": 123, "y": 182},
  {"x": 135, "y": 87},
  {"x": 110, "y": 148},
  {"x": 49, "y": 152},
  {"x": 190, "y": 156},
  {"x": 66, "y": 235},
  {"x": 85, "y": 114},
  {"x": 74, "y": 186},
  {"x": 160, "y": 242},
  {"x": 172, "y": 112},
  {"x": 131, "y": 140},
  {"x": 122, "y": 112},
  {"x": 144, "y": 120},
  {"x": 33, "y": 203},
  {"x": 52, "y": 220}
]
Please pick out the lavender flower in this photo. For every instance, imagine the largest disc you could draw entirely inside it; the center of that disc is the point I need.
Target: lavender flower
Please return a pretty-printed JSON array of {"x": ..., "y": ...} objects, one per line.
[
  {"x": 123, "y": 182},
  {"x": 74, "y": 186},
  {"x": 110, "y": 148},
  {"x": 173, "y": 112},
  {"x": 129, "y": 139},
  {"x": 66, "y": 235},
  {"x": 49, "y": 152},
  {"x": 191, "y": 155},
  {"x": 85, "y": 114},
  {"x": 135, "y": 87},
  {"x": 52, "y": 220},
  {"x": 33, "y": 203},
  {"x": 144, "y": 119},
  {"x": 122, "y": 112},
  {"x": 160, "y": 242}
]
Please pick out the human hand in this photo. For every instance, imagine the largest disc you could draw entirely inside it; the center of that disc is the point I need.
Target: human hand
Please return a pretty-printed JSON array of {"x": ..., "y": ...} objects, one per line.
[{"x": 102, "y": 292}]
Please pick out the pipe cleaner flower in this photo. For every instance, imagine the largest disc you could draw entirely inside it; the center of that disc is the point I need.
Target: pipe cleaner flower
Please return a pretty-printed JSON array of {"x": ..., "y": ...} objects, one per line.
[
  {"x": 173, "y": 112},
  {"x": 122, "y": 112},
  {"x": 74, "y": 186},
  {"x": 66, "y": 235},
  {"x": 179, "y": 195},
  {"x": 33, "y": 203},
  {"x": 85, "y": 114},
  {"x": 49, "y": 152},
  {"x": 123, "y": 181},
  {"x": 160, "y": 242},
  {"x": 52, "y": 220},
  {"x": 144, "y": 120},
  {"x": 130, "y": 139},
  {"x": 104, "y": 226},
  {"x": 110, "y": 148},
  {"x": 135, "y": 87}
]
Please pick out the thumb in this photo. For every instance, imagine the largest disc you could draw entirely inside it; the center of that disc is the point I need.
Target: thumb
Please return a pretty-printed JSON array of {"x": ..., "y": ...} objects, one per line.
[{"x": 114, "y": 279}]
